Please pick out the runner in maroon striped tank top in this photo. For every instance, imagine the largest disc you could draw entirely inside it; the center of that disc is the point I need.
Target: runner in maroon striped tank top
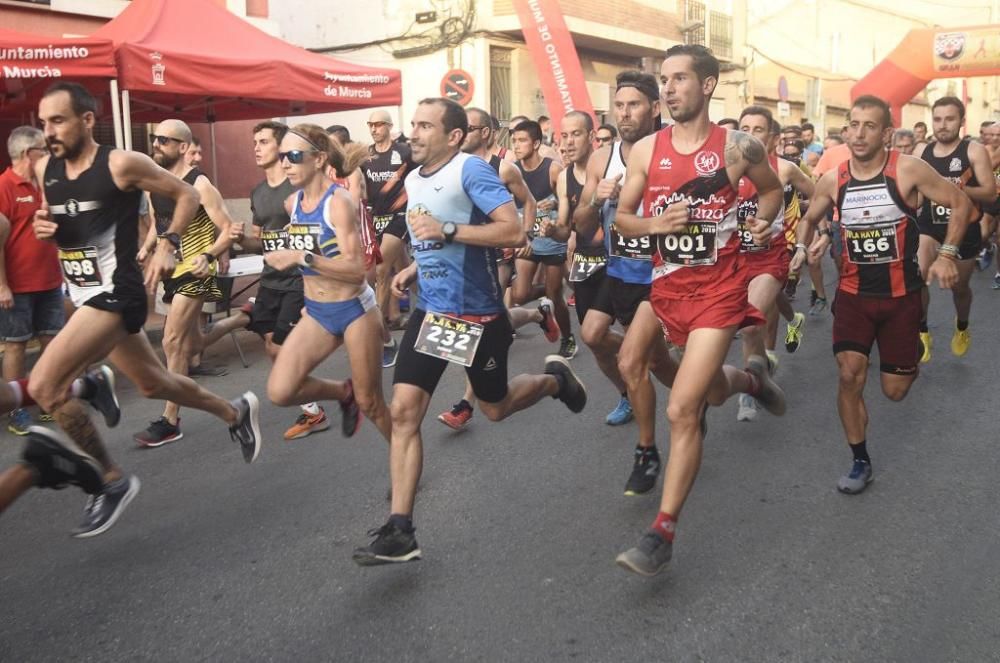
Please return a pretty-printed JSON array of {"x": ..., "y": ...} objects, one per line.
[{"x": 686, "y": 178}]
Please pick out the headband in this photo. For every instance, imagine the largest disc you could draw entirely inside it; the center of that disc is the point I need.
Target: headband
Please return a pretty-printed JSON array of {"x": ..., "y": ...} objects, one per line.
[{"x": 307, "y": 139}]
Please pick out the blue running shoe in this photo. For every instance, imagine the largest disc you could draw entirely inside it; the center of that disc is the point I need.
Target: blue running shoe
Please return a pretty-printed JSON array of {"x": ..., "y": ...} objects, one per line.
[
  {"x": 621, "y": 415},
  {"x": 857, "y": 479}
]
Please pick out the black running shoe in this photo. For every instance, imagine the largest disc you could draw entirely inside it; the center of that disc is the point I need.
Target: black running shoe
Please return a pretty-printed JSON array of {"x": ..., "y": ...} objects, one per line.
[
  {"x": 159, "y": 432},
  {"x": 104, "y": 508},
  {"x": 350, "y": 413},
  {"x": 103, "y": 398},
  {"x": 58, "y": 462},
  {"x": 246, "y": 430},
  {"x": 645, "y": 470},
  {"x": 573, "y": 393},
  {"x": 649, "y": 557},
  {"x": 391, "y": 546}
]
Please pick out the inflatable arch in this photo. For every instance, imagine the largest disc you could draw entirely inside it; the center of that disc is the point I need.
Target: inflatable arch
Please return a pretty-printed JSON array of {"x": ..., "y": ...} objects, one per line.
[{"x": 925, "y": 55}]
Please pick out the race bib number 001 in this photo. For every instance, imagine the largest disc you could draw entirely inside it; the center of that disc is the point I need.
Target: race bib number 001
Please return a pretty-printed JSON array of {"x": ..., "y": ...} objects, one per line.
[
  {"x": 637, "y": 248},
  {"x": 449, "y": 338},
  {"x": 747, "y": 245},
  {"x": 303, "y": 237},
  {"x": 871, "y": 246},
  {"x": 585, "y": 266},
  {"x": 692, "y": 247},
  {"x": 274, "y": 240},
  {"x": 80, "y": 266}
]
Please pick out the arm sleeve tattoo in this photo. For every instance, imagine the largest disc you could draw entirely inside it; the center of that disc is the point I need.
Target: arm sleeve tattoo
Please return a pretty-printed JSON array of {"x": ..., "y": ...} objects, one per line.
[{"x": 742, "y": 145}]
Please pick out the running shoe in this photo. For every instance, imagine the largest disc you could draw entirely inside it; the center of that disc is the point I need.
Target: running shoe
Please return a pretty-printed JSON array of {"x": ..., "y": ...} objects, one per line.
[
  {"x": 567, "y": 348},
  {"x": 793, "y": 332},
  {"x": 389, "y": 353},
  {"x": 104, "y": 508},
  {"x": 19, "y": 421},
  {"x": 391, "y": 545},
  {"x": 649, "y": 557},
  {"x": 45, "y": 418},
  {"x": 622, "y": 414},
  {"x": 857, "y": 479},
  {"x": 57, "y": 462},
  {"x": 747, "y": 408},
  {"x": 770, "y": 396},
  {"x": 548, "y": 323},
  {"x": 573, "y": 393},
  {"x": 458, "y": 417},
  {"x": 572, "y": 300},
  {"x": 996, "y": 281},
  {"x": 102, "y": 397},
  {"x": 248, "y": 307},
  {"x": 925, "y": 347},
  {"x": 791, "y": 287},
  {"x": 986, "y": 257},
  {"x": 812, "y": 297},
  {"x": 818, "y": 307},
  {"x": 350, "y": 413},
  {"x": 772, "y": 362},
  {"x": 159, "y": 432},
  {"x": 645, "y": 470},
  {"x": 307, "y": 424},
  {"x": 960, "y": 342},
  {"x": 246, "y": 430}
]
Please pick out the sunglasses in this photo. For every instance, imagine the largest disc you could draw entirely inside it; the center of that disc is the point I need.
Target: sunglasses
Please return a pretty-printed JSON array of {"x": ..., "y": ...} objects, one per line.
[
  {"x": 477, "y": 127},
  {"x": 373, "y": 125},
  {"x": 43, "y": 150},
  {"x": 295, "y": 157},
  {"x": 604, "y": 139},
  {"x": 163, "y": 140}
]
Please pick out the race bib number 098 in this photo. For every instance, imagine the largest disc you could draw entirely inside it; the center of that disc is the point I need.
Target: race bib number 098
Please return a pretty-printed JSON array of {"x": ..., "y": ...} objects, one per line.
[
  {"x": 693, "y": 246},
  {"x": 871, "y": 246},
  {"x": 303, "y": 237},
  {"x": 452, "y": 339},
  {"x": 80, "y": 266}
]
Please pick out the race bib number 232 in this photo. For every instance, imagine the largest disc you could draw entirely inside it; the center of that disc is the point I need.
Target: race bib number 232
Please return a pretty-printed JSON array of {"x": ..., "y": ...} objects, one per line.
[{"x": 452, "y": 339}]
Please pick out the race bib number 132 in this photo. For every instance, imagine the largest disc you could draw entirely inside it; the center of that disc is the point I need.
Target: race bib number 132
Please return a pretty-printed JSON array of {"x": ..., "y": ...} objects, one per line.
[{"x": 452, "y": 339}]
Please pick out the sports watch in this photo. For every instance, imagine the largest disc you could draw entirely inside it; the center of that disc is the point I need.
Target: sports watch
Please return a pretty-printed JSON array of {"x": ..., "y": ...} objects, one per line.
[
  {"x": 449, "y": 229},
  {"x": 308, "y": 259}
]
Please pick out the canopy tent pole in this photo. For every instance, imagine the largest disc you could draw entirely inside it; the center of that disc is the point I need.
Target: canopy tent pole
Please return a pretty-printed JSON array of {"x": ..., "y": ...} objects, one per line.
[
  {"x": 116, "y": 113},
  {"x": 215, "y": 161},
  {"x": 127, "y": 119}
]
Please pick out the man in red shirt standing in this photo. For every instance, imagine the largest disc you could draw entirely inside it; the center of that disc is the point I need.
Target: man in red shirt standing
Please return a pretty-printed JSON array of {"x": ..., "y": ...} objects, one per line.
[{"x": 31, "y": 301}]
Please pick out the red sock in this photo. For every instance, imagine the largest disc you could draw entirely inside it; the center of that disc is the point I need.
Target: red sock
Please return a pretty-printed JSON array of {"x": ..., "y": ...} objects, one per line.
[
  {"x": 664, "y": 525},
  {"x": 754, "y": 387}
]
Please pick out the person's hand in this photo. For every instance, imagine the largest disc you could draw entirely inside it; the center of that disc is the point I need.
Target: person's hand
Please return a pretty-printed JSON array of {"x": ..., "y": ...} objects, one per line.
[
  {"x": 425, "y": 227},
  {"x": 160, "y": 265},
  {"x": 798, "y": 258},
  {"x": 523, "y": 252},
  {"x": 224, "y": 263},
  {"x": 201, "y": 267},
  {"x": 760, "y": 229},
  {"x": 672, "y": 220},
  {"x": 282, "y": 260},
  {"x": 546, "y": 227},
  {"x": 546, "y": 205},
  {"x": 402, "y": 281},
  {"x": 609, "y": 189},
  {"x": 43, "y": 225},
  {"x": 945, "y": 271},
  {"x": 6, "y": 297},
  {"x": 236, "y": 231},
  {"x": 142, "y": 255},
  {"x": 818, "y": 247}
]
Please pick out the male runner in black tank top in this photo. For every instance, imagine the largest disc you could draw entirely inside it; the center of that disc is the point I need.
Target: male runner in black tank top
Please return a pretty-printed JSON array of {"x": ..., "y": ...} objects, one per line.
[
  {"x": 193, "y": 282},
  {"x": 91, "y": 195},
  {"x": 966, "y": 165}
]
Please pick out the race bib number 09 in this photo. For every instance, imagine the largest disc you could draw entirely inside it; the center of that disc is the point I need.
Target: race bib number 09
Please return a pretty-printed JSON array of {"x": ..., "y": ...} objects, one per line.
[
  {"x": 747, "y": 245},
  {"x": 274, "y": 240},
  {"x": 452, "y": 339},
  {"x": 80, "y": 266},
  {"x": 692, "y": 247},
  {"x": 940, "y": 215},
  {"x": 303, "y": 237},
  {"x": 585, "y": 266},
  {"x": 871, "y": 246},
  {"x": 637, "y": 248}
]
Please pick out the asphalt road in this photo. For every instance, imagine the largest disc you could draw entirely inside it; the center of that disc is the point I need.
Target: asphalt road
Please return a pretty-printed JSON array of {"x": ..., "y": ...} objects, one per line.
[{"x": 520, "y": 522}]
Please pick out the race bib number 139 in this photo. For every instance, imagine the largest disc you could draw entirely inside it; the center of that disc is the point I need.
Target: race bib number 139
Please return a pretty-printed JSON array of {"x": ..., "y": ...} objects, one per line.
[{"x": 452, "y": 339}]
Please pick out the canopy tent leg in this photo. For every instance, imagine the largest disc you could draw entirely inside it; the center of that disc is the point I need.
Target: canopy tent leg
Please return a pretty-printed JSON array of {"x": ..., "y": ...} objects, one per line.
[
  {"x": 127, "y": 119},
  {"x": 116, "y": 113},
  {"x": 215, "y": 161}
]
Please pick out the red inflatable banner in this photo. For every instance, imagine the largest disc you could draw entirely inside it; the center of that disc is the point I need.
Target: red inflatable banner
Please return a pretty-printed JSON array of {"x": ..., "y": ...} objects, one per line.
[{"x": 555, "y": 57}]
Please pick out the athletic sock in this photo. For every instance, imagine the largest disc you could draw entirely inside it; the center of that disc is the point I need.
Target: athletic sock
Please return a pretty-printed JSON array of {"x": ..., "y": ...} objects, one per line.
[
  {"x": 21, "y": 395},
  {"x": 665, "y": 525},
  {"x": 962, "y": 325},
  {"x": 754, "y": 388},
  {"x": 464, "y": 405},
  {"x": 923, "y": 326},
  {"x": 312, "y": 409},
  {"x": 83, "y": 387},
  {"x": 860, "y": 451},
  {"x": 560, "y": 382},
  {"x": 401, "y": 521}
]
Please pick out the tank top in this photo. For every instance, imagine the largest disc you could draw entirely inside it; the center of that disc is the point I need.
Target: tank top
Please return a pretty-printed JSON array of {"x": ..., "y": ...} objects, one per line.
[
  {"x": 704, "y": 258},
  {"x": 313, "y": 231},
  {"x": 385, "y": 176},
  {"x": 957, "y": 169},
  {"x": 879, "y": 233},
  {"x": 574, "y": 190},
  {"x": 198, "y": 237},
  {"x": 541, "y": 188},
  {"x": 747, "y": 207},
  {"x": 629, "y": 259},
  {"x": 495, "y": 163},
  {"x": 98, "y": 230}
]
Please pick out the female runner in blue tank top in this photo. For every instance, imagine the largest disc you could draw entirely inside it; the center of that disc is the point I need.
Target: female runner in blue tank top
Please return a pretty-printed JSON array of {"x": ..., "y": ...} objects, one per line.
[{"x": 324, "y": 240}]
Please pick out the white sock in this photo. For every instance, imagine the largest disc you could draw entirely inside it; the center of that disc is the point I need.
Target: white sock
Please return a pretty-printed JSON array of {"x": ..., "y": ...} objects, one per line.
[
  {"x": 78, "y": 388},
  {"x": 18, "y": 394},
  {"x": 312, "y": 409}
]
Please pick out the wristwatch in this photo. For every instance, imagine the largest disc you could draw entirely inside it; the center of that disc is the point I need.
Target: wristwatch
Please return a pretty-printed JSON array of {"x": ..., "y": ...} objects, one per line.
[
  {"x": 173, "y": 238},
  {"x": 208, "y": 256},
  {"x": 825, "y": 231},
  {"x": 308, "y": 259},
  {"x": 449, "y": 229}
]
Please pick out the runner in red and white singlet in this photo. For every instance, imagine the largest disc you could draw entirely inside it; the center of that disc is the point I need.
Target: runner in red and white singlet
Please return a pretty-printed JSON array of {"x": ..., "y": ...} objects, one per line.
[
  {"x": 878, "y": 299},
  {"x": 686, "y": 178}
]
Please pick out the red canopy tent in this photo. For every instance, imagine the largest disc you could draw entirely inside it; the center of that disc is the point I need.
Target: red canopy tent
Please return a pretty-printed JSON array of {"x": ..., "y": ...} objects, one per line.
[
  {"x": 193, "y": 60},
  {"x": 29, "y": 63}
]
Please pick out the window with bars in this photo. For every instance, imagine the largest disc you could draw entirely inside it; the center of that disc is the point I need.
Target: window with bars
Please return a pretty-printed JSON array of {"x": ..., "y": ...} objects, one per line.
[
  {"x": 694, "y": 12},
  {"x": 500, "y": 92},
  {"x": 721, "y": 34}
]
